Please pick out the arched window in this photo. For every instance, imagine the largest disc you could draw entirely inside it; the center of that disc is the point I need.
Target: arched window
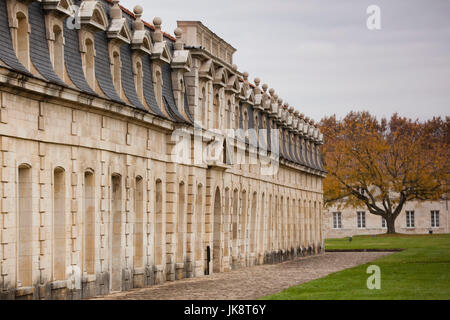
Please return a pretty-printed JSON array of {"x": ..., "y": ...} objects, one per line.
[
  {"x": 159, "y": 224},
  {"x": 236, "y": 117},
  {"x": 253, "y": 223},
  {"x": 228, "y": 116},
  {"x": 158, "y": 88},
  {"x": 59, "y": 225},
  {"x": 89, "y": 223},
  {"x": 23, "y": 41},
  {"x": 244, "y": 222},
  {"x": 139, "y": 81},
  {"x": 89, "y": 63},
  {"x": 116, "y": 233},
  {"x": 202, "y": 104},
  {"x": 216, "y": 110},
  {"x": 117, "y": 72},
  {"x": 226, "y": 249},
  {"x": 199, "y": 224},
  {"x": 139, "y": 223},
  {"x": 245, "y": 119},
  {"x": 261, "y": 230},
  {"x": 25, "y": 223},
  {"x": 235, "y": 216},
  {"x": 180, "y": 224},
  {"x": 58, "y": 52}
]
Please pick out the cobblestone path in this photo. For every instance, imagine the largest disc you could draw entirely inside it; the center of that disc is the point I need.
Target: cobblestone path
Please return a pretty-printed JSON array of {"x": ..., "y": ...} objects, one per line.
[{"x": 251, "y": 283}]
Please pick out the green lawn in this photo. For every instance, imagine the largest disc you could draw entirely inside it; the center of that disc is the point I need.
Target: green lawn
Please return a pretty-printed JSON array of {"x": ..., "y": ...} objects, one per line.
[{"x": 421, "y": 271}]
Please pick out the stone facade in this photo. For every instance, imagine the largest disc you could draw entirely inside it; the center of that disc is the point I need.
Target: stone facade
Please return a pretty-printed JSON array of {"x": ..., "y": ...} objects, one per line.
[
  {"x": 427, "y": 216},
  {"x": 113, "y": 171}
]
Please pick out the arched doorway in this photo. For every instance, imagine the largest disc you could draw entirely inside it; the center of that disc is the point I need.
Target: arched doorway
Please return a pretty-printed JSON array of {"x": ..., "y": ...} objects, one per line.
[{"x": 217, "y": 239}]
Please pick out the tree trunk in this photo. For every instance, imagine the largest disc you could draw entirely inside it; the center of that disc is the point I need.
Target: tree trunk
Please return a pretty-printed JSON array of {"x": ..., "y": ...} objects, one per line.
[{"x": 390, "y": 222}]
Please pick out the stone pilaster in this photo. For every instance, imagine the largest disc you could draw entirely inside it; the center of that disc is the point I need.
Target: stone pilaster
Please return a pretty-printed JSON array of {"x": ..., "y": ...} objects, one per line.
[
  {"x": 149, "y": 230},
  {"x": 190, "y": 236},
  {"x": 127, "y": 283},
  {"x": 105, "y": 220},
  {"x": 171, "y": 212},
  {"x": 45, "y": 221},
  {"x": 75, "y": 226}
]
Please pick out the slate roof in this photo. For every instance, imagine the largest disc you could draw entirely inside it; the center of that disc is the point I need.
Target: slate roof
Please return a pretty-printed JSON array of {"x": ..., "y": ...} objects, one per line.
[
  {"x": 7, "y": 53},
  {"x": 40, "y": 58}
]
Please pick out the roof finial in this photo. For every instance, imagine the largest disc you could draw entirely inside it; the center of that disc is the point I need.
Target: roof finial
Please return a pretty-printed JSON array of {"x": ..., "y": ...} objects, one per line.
[
  {"x": 245, "y": 77},
  {"x": 179, "y": 45},
  {"x": 265, "y": 87},
  {"x": 138, "y": 24},
  {"x": 157, "y": 35},
  {"x": 115, "y": 12},
  {"x": 272, "y": 92}
]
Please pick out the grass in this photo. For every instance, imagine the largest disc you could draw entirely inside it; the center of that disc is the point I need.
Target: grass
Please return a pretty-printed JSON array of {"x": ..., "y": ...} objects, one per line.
[{"x": 420, "y": 272}]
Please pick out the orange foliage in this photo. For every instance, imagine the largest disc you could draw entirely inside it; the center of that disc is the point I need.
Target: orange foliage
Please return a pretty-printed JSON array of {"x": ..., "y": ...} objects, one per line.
[{"x": 383, "y": 164}]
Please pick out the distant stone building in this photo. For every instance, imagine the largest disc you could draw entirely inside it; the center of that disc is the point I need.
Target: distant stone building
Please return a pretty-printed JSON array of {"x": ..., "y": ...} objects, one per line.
[
  {"x": 116, "y": 169},
  {"x": 416, "y": 218}
]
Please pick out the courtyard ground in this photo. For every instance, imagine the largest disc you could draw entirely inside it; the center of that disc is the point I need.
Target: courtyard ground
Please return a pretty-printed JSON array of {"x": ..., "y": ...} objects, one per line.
[
  {"x": 251, "y": 283},
  {"x": 421, "y": 271}
]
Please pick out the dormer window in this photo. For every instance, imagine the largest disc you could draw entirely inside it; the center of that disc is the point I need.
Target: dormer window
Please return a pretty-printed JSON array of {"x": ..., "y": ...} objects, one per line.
[
  {"x": 216, "y": 110},
  {"x": 139, "y": 76},
  {"x": 245, "y": 120},
  {"x": 116, "y": 71},
  {"x": 158, "y": 84},
  {"x": 203, "y": 106},
  {"x": 58, "y": 52},
  {"x": 89, "y": 63},
  {"x": 228, "y": 115},
  {"x": 22, "y": 40}
]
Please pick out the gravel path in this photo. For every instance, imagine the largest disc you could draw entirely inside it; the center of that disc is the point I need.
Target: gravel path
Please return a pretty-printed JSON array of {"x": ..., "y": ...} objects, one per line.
[{"x": 251, "y": 283}]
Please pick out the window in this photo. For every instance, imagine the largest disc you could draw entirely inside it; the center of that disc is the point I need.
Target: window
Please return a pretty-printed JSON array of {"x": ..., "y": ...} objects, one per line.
[
  {"x": 89, "y": 222},
  {"x": 116, "y": 72},
  {"x": 383, "y": 223},
  {"x": 23, "y": 44},
  {"x": 59, "y": 226},
  {"x": 410, "y": 223},
  {"x": 361, "y": 220},
  {"x": 25, "y": 223},
  {"x": 337, "y": 220},
  {"x": 228, "y": 116},
  {"x": 139, "y": 81},
  {"x": 216, "y": 104},
  {"x": 89, "y": 63},
  {"x": 203, "y": 106},
  {"x": 181, "y": 218},
  {"x": 159, "y": 224},
  {"x": 139, "y": 223},
  {"x": 158, "y": 88},
  {"x": 58, "y": 52},
  {"x": 435, "y": 222}
]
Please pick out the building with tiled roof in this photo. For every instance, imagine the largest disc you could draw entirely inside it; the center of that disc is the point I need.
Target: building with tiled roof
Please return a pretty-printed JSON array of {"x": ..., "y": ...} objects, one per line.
[{"x": 130, "y": 157}]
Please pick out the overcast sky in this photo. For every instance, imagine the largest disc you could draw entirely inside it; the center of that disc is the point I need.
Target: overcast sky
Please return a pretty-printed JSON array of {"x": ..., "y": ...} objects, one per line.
[{"x": 320, "y": 56}]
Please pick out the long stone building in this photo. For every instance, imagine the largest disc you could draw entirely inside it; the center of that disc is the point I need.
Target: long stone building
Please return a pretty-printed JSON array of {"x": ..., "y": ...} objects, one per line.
[
  {"x": 129, "y": 157},
  {"x": 417, "y": 217}
]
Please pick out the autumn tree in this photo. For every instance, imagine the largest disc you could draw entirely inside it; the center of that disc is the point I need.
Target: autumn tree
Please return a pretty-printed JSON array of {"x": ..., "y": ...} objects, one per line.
[{"x": 384, "y": 164}]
